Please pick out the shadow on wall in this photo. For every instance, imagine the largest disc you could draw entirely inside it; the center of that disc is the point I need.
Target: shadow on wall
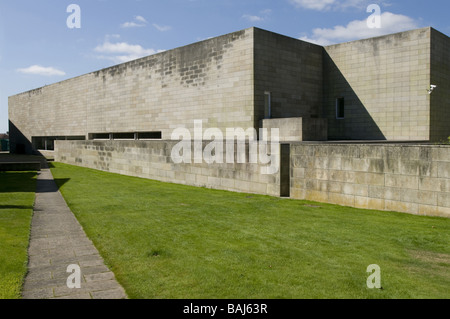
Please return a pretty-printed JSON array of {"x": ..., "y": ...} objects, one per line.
[
  {"x": 18, "y": 143},
  {"x": 357, "y": 123}
]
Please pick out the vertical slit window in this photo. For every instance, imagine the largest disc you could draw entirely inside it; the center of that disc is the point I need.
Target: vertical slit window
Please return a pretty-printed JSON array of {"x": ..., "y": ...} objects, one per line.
[
  {"x": 340, "y": 108},
  {"x": 267, "y": 105}
]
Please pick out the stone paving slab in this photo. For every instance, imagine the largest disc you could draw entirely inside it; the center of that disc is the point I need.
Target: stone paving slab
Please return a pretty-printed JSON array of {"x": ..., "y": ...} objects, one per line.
[{"x": 57, "y": 241}]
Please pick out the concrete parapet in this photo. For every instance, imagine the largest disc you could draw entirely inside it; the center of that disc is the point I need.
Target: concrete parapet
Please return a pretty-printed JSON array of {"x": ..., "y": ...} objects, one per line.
[
  {"x": 404, "y": 178},
  {"x": 298, "y": 129},
  {"x": 152, "y": 160},
  {"x": 394, "y": 177}
]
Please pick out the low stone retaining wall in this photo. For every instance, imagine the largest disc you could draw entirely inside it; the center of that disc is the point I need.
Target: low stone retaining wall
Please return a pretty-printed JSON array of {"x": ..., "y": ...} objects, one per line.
[
  {"x": 404, "y": 178},
  {"x": 152, "y": 159},
  {"x": 393, "y": 177}
]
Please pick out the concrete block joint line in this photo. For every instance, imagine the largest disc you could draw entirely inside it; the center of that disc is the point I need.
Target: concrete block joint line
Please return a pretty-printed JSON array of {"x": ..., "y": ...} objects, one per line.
[{"x": 58, "y": 242}]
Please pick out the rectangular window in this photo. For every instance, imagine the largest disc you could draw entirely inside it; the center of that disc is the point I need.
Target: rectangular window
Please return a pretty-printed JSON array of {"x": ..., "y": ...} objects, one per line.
[
  {"x": 74, "y": 138},
  {"x": 100, "y": 136},
  {"x": 50, "y": 144},
  {"x": 124, "y": 136},
  {"x": 150, "y": 136},
  {"x": 47, "y": 143},
  {"x": 39, "y": 143},
  {"x": 340, "y": 108},
  {"x": 267, "y": 105}
]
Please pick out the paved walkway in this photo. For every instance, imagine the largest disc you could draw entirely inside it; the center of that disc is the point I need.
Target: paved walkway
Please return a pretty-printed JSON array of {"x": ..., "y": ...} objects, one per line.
[{"x": 58, "y": 241}]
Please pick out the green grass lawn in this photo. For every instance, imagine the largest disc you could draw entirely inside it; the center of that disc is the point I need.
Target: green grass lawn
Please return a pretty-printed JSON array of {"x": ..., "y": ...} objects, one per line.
[
  {"x": 17, "y": 193},
  {"x": 169, "y": 241}
]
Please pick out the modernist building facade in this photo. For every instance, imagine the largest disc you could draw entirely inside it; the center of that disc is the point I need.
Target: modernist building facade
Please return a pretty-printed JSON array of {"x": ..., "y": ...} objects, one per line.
[
  {"x": 374, "y": 89},
  {"x": 393, "y": 88}
]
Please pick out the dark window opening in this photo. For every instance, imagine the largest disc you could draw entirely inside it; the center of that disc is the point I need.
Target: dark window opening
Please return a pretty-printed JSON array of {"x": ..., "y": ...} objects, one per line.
[
  {"x": 285, "y": 171},
  {"x": 124, "y": 136},
  {"x": 39, "y": 143},
  {"x": 340, "y": 108},
  {"x": 74, "y": 138},
  {"x": 100, "y": 136},
  {"x": 150, "y": 136},
  {"x": 267, "y": 105},
  {"x": 47, "y": 143}
]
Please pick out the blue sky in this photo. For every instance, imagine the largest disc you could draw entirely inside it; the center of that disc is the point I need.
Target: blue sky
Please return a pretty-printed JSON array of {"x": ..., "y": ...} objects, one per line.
[{"x": 37, "y": 48}]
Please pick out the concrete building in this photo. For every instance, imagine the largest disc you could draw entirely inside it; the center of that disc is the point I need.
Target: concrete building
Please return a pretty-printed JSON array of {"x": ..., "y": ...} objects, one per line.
[
  {"x": 223, "y": 81},
  {"x": 383, "y": 83},
  {"x": 393, "y": 88},
  {"x": 374, "y": 89}
]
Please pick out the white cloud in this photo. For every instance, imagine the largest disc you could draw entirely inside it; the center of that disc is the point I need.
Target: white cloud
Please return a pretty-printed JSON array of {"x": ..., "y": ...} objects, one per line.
[
  {"x": 139, "y": 22},
  {"x": 263, "y": 15},
  {"x": 122, "y": 52},
  {"x": 162, "y": 28},
  {"x": 113, "y": 36},
  {"x": 140, "y": 19},
  {"x": 266, "y": 11},
  {"x": 318, "y": 41},
  {"x": 131, "y": 25},
  {"x": 313, "y": 4},
  {"x": 323, "y": 5},
  {"x": 40, "y": 70},
  {"x": 358, "y": 29},
  {"x": 252, "y": 18}
]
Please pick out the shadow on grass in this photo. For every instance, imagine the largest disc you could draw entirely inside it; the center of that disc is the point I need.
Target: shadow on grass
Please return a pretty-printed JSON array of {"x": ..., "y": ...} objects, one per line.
[
  {"x": 15, "y": 207},
  {"x": 50, "y": 165},
  {"x": 18, "y": 182},
  {"x": 25, "y": 182}
]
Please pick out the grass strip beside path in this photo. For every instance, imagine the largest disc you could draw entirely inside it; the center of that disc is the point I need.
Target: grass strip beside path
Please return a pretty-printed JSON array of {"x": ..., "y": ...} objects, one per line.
[
  {"x": 17, "y": 194},
  {"x": 168, "y": 241}
]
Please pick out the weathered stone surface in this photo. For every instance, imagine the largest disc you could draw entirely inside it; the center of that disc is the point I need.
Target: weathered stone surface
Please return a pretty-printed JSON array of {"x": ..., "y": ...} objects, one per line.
[
  {"x": 384, "y": 83},
  {"x": 245, "y": 177},
  {"x": 410, "y": 179}
]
